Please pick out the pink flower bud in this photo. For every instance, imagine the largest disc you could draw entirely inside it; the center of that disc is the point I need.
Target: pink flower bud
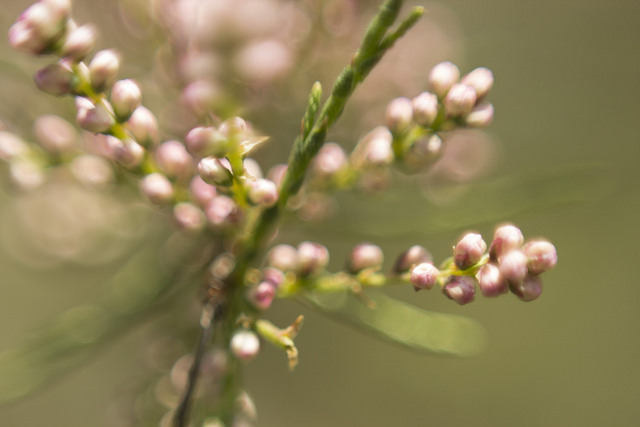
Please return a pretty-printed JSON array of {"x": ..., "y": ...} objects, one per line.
[
  {"x": 480, "y": 117},
  {"x": 374, "y": 149},
  {"x": 283, "y": 257},
  {"x": 188, "y": 216},
  {"x": 411, "y": 257},
  {"x": 92, "y": 171},
  {"x": 55, "y": 134},
  {"x": 506, "y": 238},
  {"x": 201, "y": 192},
  {"x": 207, "y": 141},
  {"x": 143, "y": 126},
  {"x": 442, "y": 77},
  {"x": 263, "y": 192},
  {"x": 399, "y": 114},
  {"x": 541, "y": 256},
  {"x": 513, "y": 266},
  {"x": 213, "y": 171},
  {"x": 261, "y": 296},
  {"x": 94, "y": 118},
  {"x": 469, "y": 250},
  {"x": 528, "y": 289},
  {"x": 26, "y": 174},
  {"x": 157, "y": 188},
  {"x": 491, "y": 282},
  {"x": 251, "y": 168},
  {"x": 330, "y": 160},
  {"x": 103, "y": 69},
  {"x": 55, "y": 79},
  {"x": 125, "y": 98},
  {"x": 273, "y": 276},
  {"x": 461, "y": 289},
  {"x": 128, "y": 153},
  {"x": 245, "y": 345},
  {"x": 480, "y": 79},
  {"x": 40, "y": 26},
  {"x": 79, "y": 42},
  {"x": 222, "y": 212},
  {"x": 424, "y": 276},
  {"x": 11, "y": 146},
  {"x": 200, "y": 97},
  {"x": 422, "y": 153},
  {"x": 173, "y": 159},
  {"x": 460, "y": 100},
  {"x": 312, "y": 257},
  {"x": 425, "y": 108},
  {"x": 365, "y": 256}
]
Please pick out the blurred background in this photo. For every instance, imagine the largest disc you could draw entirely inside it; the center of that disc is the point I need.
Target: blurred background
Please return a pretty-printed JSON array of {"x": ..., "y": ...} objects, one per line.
[{"x": 564, "y": 148}]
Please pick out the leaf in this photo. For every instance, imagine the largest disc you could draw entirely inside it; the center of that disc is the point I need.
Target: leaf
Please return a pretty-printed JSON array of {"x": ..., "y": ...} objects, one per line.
[{"x": 404, "y": 324}]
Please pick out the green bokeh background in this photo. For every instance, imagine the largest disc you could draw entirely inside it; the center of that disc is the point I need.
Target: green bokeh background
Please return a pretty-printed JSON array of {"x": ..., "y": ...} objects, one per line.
[{"x": 567, "y": 99}]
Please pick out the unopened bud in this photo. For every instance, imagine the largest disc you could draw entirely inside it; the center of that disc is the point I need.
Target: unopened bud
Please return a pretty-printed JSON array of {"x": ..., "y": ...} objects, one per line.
[
  {"x": 26, "y": 174},
  {"x": 461, "y": 289},
  {"x": 207, "y": 141},
  {"x": 55, "y": 134},
  {"x": 365, "y": 256},
  {"x": 94, "y": 118},
  {"x": 541, "y": 256},
  {"x": 125, "y": 98},
  {"x": 480, "y": 79},
  {"x": 103, "y": 69},
  {"x": 222, "y": 212},
  {"x": 374, "y": 149},
  {"x": 79, "y": 43},
  {"x": 263, "y": 192},
  {"x": 251, "y": 168},
  {"x": 245, "y": 345},
  {"x": 312, "y": 257},
  {"x": 460, "y": 100},
  {"x": 201, "y": 192},
  {"x": 283, "y": 257},
  {"x": 188, "y": 216},
  {"x": 173, "y": 159},
  {"x": 261, "y": 296},
  {"x": 200, "y": 97},
  {"x": 480, "y": 117},
  {"x": 11, "y": 146},
  {"x": 425, "y": 108},
  {"x": 40, "y": 26},
  {"x": 422, "y": 153},
  {"x": 442, "y": 77},
  {"x": 55, "y": 79},
  {"x": 92, "y": 171},
  {"x": 157, "y": 188},
  {"x": 411, "y": 257},
  {"x": 399, "y": 114},
  {"x": 273, "y": 276},
  {"x": 491, "y": 282},
  {"x": 330, "y": 160},
  {"x": 424, "y": 276},
  {"x": 213, "y": 171},
  {"x": 506, "y": 238},
  {"x": 143, "y": 126},
  {"x": 513, "y": 266},
  {"x": 469, "y": 250},
  {"x": 528, "y": 289},
  {"x": 128, "y": 153}
]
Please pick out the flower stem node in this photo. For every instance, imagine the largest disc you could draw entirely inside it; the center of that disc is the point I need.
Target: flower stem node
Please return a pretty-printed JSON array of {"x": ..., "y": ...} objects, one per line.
[
  {"x": 365, "y": 256},
  {"x": 469, "y": 250},
  {"x": 245, "y": 345},
  {"x": 461, "y": 289},
  {"x": 424, "y": 276}
]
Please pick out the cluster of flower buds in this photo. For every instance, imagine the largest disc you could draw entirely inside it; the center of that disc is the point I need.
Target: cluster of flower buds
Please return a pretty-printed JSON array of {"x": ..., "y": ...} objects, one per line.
[{"x": 508, "y": 265}]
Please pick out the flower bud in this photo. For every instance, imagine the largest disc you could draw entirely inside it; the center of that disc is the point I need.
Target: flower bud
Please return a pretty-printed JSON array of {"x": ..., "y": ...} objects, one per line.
[
  {"x": 528, "y": 289},
  {"x": 469, "y": 250},
  {"x": 213, "y": 171},
  {"x": 207, "y": 141},
  {"x": 173, "y": 159},
  {"x": 125, "y": 98},
  {"x": 222, "y": 212},
  {"x": 251, "y": 168},
  {"x": 276, "y": 174},
  {"x": 411, "y": 257},
  {"x": 26, "y": 174},
  {"x": 273, "y": 276},
  {"x": 513, "y": 266},
  {"x": 374, "y": 149},
  {"x": 55, "y": 79},
  {"x": 399, "y": 114},
  {"x": 490, "y": 281},
  {"x": 424, "y": 276},
  {"x": 92, "y": 171},
  {"x": 261, "y": 296},
  {"x": 442, "y": 77},
  {"x": 263, "y": 192},
  {"x": 460, "y": 100},
  {"x": 189, "y": 216},
  {"x": 541, "y": 256},
  {"x": 422, "y": 153},
  {"x": 157, "y": 188},
  {"x": 103, "y": 69},
  {"x": 480, "y": 117},
  {"x": 283, "y": 257},
  {"x": 461, "y": 289},
  {"x": 201, "y": 192},
  {"x": 480, "y": 79},
  {"x": 365, "y": 256},
  {"x": 312, "y": 257},
  {"x": 506, "y": 238},
  {"x": 200, "y": 97},
  {"x": 128, "y": 153},
  {"x": 11, "y": 146},
  {"x": 425, "y": 108},
  {"x": 143, "y": 126},
  {"x": 55, "y": 134},
  {"x": 330, "y": 160},
  {"x": 245, "y": 345},
  {"x": 94, "y": 118},
  {"x": 79, "y": 42},
  {"x": 40, "y": 26}
]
